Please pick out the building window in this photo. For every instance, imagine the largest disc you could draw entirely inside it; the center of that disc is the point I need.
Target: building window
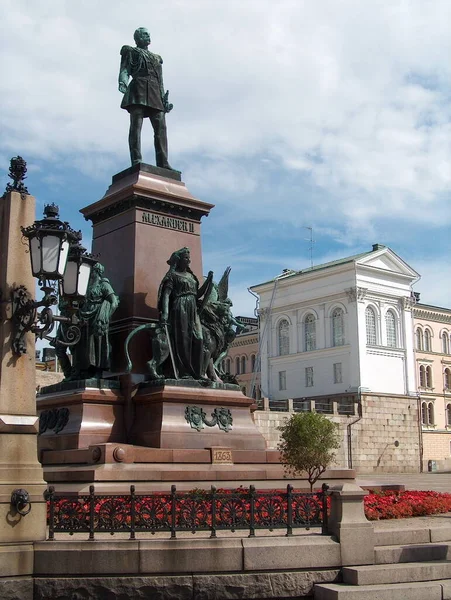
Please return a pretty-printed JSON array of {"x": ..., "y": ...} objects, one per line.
[
  {"x": 424, "y": 413},
  {"x": 309, "y": 377},
  {"x": 243, "y": 365},
  {"x": 253, "y": 363},
  {"x": 427, "y": 340},
  {"x": 309, "y": 333},
  {"x": 228, "y": 365},
  {"x": 370, "y": 320},
  {"x": 237, "y": 365},
  {"x": 422, "y": 376},
  {"x": 282, "y": 380},
  {"x": 448, "y": 415},
  {"x": 428, "y": 377},
  {"x": 419, "y": 336},
  {"x": 427, "y": 413},
  {"x": 447, "y": 379},
  {"x": 431, "y": 413},
  {"x": 284, "y": 337},
  {"x": 338, "y": 377},
  {"x": 338, "y": 337},
  {"x": 390, "y": 327},
  {"x": 445, "y": 342},
  {"x": 425, "y": 376}
]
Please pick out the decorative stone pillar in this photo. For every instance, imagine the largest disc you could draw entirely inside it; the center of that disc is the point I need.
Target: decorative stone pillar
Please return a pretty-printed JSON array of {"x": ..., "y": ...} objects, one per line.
[
  {"x": 19, "y": 466},
  {"x": 348, "y": 522}
]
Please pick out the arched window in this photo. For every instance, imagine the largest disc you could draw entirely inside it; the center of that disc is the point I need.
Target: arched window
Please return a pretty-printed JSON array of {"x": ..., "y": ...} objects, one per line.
[
  {"x": 253, "y": 363},
  {"x": 431, "y": 413},
  {"x": 243, "y": 365},
  {"x": 283, "y": 331},
  {"x": 237, "y": 365},
  {"x": 427, "y": 340},
  {"x": 228, "y": 365},
  {"x": 370, "y": 320},
  {"x": 419, "y": 336},
  {"x": 424, "y": 413},
  {"x": 447, "y": 379},
  {"x": 448, "y": 415},
  {"x": 445, "y": 342},
  {"x": 428, "y": 377},
  {"x": 309, "y": 333},
  {"x": 338, "y": 334},
  {"x": 422, "y": 376},
  {"x": 390, "y": 327}
]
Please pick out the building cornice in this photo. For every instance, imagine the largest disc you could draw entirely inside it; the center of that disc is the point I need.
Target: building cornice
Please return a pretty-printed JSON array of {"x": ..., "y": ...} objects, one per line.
[
  {"x": 237, "y": 342},
  {"x": 431, "y": 315}
]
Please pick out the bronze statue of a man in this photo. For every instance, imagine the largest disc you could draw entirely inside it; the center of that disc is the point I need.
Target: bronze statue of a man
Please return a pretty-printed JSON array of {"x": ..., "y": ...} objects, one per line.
[{"x": 144, "y": 97}]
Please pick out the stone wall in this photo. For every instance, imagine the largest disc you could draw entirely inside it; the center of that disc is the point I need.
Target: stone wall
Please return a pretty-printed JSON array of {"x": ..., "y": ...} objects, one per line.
[
  {"x": 44, "y": 378},
  {"x": 437, "y": 444},
  {"x": 384, "y": 440},
  {"x": 387, "y": 439}
]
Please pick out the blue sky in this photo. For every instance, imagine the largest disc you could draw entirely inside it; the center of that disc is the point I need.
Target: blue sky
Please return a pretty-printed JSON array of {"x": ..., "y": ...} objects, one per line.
[{"x": 287, "y": 114}]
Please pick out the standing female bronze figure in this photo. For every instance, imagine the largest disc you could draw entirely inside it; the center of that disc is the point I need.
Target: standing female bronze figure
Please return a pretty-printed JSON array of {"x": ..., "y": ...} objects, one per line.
[{"x": 178, "y": 305}]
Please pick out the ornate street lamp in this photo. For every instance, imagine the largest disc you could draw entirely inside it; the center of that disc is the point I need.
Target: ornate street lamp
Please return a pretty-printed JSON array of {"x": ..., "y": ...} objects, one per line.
[
  {"x": 74, "y": 283},
  {"x": 56, "y": 255},
  {"x": 49, "y": 241}
]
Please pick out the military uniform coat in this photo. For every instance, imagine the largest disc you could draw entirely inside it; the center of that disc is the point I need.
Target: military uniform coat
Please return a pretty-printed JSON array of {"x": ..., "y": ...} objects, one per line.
[{"x": 146, "y": 87}]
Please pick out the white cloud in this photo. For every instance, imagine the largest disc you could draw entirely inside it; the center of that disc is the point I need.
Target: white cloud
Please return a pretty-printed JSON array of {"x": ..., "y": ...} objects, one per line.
[{"x": 293, "y": 113}]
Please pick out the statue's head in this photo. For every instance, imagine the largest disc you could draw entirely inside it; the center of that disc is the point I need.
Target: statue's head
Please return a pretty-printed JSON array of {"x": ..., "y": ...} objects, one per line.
[
  {"x": 142, "y": 37},
  {"x": 98, "y": 270},
  {"x": 180, "y": 257}
]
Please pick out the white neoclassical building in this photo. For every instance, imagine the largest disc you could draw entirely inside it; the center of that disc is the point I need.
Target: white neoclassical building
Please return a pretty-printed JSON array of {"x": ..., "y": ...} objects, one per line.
[
  {"x": 339, "y": 328},
  {"x": 338, "y": 338}
]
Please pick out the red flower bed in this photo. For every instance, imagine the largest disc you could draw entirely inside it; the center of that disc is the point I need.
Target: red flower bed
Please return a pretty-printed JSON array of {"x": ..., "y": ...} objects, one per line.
[{"x": 400, "y": 505}]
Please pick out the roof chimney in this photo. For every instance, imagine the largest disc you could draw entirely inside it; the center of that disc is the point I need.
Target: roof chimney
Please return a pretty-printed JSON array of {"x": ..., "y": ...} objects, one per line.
[{"x": 378, "y": 247}]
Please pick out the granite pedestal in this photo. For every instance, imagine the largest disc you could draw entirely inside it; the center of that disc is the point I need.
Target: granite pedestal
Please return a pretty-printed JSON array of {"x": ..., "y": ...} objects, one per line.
[{"x": 145, "y": 215}]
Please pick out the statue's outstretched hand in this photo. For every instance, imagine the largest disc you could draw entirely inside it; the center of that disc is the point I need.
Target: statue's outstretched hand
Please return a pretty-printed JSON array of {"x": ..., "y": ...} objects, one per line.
[{"x": 122, "y": 87}]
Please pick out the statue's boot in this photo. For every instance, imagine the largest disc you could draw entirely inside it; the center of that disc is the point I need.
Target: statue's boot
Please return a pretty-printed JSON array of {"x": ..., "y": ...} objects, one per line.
[{"x": 135, "y": 156}]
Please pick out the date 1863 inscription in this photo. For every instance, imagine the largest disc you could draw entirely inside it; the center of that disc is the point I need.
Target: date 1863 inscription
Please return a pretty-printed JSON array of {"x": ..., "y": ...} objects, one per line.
[
  {"x": 221, "y": 456},
  {"x": 168, "y": 222}
]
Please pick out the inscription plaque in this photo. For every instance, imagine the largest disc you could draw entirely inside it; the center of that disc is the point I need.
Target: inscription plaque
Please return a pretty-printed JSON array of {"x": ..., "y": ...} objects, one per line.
[
  {"x": 168, "y": 222},
  {"x": 221, "y": 456}
]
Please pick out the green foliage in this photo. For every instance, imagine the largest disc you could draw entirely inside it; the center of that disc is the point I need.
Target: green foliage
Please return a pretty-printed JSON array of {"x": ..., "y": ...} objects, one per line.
[{"x": 308, "y": 441}]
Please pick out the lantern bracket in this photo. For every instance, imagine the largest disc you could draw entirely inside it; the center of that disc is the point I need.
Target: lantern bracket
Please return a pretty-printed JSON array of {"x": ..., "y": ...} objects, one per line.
[{"x": 26, "y": 317}]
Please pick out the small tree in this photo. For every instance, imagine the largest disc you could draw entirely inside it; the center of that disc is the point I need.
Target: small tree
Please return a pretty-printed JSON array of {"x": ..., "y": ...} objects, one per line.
[{"x": 307, "y": 443}]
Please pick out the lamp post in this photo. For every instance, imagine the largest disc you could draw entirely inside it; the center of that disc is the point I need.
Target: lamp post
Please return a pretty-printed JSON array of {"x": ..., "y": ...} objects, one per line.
[{"x": 56, "y": 255}]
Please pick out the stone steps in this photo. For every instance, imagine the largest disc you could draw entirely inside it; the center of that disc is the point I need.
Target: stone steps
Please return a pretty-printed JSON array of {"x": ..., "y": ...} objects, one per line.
[
  {"x": 410, "y": 564},
  {"x": 397, "y": 573},
  {"x": 423, "y": 535},
  {"x": 434, "y": 590},
  {"x": 412, "y": 553}
]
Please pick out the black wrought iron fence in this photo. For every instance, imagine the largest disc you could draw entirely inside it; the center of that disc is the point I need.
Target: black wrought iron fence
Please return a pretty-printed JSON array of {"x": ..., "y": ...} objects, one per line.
[{"x": 198, "y": 510}]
